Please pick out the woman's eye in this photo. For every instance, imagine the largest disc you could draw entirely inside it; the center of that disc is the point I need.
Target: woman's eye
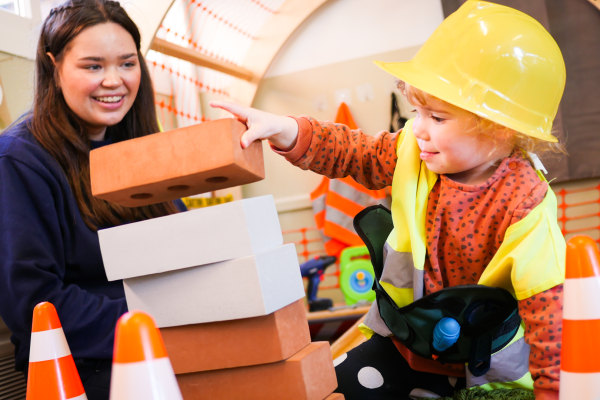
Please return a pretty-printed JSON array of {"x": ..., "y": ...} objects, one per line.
[
  {"x": 93, "y": 67},
  {"x": 129, "y": 64},
  {"x": 437, "y": 119}
]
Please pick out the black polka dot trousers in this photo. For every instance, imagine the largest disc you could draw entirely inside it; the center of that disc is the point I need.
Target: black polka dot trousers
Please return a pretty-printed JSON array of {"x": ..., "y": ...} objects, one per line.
[{"x": 376, "y": 370}]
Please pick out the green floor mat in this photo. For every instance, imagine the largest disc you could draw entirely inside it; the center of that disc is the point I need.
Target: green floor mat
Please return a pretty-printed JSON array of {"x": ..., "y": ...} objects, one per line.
[{"x": 498, "y": 394}]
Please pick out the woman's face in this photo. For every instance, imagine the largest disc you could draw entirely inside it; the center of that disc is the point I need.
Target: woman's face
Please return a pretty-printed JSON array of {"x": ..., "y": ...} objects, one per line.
[{"x": 99, "y": 76}]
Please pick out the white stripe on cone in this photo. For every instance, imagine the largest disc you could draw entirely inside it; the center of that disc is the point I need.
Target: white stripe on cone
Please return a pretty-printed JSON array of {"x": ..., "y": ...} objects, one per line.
[
  {"x": 580, "y": 385},
  {"x": 151, "y": 379},
  {"x": 48, "y": 345},
  {"x": 584, "y": 298}
]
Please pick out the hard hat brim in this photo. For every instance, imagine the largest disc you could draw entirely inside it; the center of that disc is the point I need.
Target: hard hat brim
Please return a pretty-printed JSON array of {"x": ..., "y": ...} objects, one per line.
[{"x": 435, "y": 85}]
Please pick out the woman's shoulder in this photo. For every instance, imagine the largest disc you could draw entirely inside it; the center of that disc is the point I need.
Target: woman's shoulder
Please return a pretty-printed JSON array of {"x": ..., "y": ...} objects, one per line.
[
  {"x": 20, "y": 149},
  {"x": 18, "y": 141},
  {"x": 16, "y": 138}
]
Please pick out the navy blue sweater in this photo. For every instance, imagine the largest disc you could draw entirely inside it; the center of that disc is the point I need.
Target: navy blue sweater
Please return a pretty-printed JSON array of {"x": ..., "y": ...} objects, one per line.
[{"x": 47, "y": 253}]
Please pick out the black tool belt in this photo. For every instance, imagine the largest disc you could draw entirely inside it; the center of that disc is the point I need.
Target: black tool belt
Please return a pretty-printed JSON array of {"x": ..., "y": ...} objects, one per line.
[{"x": 488, "y": 316}]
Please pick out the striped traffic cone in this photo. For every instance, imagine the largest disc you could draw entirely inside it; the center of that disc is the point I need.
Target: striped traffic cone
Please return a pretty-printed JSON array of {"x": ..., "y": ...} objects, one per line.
[
  {"x": 580, "y": 358},
  {"x": 52, "y": 373},
  {"x": 141, "y": 368}
]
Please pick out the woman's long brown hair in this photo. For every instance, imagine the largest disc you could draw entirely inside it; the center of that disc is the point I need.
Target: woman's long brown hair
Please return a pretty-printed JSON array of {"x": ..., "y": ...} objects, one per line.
[{"x": 62, "y": 133}]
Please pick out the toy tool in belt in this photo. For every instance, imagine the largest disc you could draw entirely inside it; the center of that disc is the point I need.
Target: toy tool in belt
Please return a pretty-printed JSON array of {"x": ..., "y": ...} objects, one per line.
[
  {"x": 180, "y": 162},
  {"x": 313, "y": 269}
]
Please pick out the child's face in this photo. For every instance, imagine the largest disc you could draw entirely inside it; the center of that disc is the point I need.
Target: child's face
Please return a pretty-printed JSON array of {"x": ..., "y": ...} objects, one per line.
[
  {"x": 452, "y": 144},
  {"x": 99, "y": 76}
]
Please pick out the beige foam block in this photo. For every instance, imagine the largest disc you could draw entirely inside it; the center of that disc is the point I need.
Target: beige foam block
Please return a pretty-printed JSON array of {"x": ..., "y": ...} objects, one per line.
[
  {"x": 195, "y": 237},
  {"x": 240, "y": 288},
  {"x": 235, "y": 343},
  {"x": 307, "y": 375},
  {"x": 176, "y": 163}
]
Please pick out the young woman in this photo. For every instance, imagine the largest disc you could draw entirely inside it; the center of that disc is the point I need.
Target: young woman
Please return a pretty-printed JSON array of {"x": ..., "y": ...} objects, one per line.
[{"x": 92, "y": 88}]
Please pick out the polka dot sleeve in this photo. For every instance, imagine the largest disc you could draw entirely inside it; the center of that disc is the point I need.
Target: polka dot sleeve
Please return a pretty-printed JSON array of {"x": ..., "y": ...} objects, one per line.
[
  {"x": 336, "y": 151},
  {"x": 543, "y": 332}
]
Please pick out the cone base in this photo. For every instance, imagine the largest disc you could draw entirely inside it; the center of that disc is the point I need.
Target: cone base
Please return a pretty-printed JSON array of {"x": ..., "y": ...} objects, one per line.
[
  {"x": 580, "y": 386},
  {"x": 54, "y": 379}
]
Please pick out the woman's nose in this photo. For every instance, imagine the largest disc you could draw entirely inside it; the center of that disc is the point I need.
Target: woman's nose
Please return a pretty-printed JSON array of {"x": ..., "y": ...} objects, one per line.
[{"x": 111, "y": 78}]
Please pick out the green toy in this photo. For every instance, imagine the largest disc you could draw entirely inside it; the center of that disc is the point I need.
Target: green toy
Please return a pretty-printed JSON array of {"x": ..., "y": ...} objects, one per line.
[{"x": 356, "y": 275}]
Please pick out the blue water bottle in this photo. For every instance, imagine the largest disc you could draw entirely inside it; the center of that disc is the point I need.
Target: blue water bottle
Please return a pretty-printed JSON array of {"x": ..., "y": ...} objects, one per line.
[{"x": 445, "y": 333}]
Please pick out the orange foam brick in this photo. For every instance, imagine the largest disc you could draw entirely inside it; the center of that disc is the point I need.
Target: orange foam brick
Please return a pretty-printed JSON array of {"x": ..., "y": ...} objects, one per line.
[
  {"x": 307, "y": 375},
  {"x": 241, "y": 342},
  {"x": 180, "y": 162}
]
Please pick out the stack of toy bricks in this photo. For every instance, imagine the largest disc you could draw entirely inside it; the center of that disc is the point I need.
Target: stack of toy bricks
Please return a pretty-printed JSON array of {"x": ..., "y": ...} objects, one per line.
[{"x": 219, "y": 282}]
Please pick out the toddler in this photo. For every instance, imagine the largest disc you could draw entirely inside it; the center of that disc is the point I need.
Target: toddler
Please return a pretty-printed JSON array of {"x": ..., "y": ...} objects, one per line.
[{"x": 469, "y": 204}]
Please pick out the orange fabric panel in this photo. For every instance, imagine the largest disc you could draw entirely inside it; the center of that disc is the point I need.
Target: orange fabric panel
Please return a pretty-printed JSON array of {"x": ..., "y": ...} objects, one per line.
[
  {"x": 343, "y": 204},
  {"x": 320, "y": 219},
  {"x": 344, "y": 116},
  {"x": 334, "y": 247},
  {"x": 344, "y": 235},
  {"x": 321, "y": 189}
]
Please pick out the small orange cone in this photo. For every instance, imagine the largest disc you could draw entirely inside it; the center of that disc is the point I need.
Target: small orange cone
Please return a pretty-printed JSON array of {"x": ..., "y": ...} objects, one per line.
[
  {"x": 52, "y": 373},
  {"x": 141, "y": 368},
  {"x": 580, "y": 358}
]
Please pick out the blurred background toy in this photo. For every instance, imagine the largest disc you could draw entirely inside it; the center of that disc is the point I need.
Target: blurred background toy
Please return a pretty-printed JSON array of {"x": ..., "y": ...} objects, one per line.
[
  {"x": 356, "y": 275},
  {"x": 313, "y": 269}
]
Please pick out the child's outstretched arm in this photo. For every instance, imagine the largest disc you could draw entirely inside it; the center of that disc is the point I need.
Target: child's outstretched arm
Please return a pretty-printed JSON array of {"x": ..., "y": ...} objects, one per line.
[
  {"x": 327, "y": 148},
  {"x": 281, "y": 131}
]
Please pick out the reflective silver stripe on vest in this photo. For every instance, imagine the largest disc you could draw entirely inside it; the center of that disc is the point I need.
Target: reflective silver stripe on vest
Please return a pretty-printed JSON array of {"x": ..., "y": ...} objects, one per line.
[
  {"x": 398, "y": 271},
  {"x": 373, "y": 320},
  {"x": 507, "y": 365},
  {"x": 318, "y": 204},
  {"x": 350, "y": 193},
  {"x": 340, "y": 218}
]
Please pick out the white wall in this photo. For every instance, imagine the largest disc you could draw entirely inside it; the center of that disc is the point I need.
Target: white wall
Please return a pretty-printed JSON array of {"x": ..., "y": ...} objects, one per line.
[{"x": 342, "y": 30}]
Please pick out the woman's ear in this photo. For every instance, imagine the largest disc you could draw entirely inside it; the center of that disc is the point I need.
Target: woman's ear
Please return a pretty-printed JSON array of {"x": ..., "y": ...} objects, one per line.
[
  {"x": 51, "y": 56},
  {"x": 56, "y": 74}
]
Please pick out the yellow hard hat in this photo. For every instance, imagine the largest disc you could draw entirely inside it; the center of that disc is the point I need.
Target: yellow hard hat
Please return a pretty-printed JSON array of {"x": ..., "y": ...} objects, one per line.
[{"x": 494, "y": 61}]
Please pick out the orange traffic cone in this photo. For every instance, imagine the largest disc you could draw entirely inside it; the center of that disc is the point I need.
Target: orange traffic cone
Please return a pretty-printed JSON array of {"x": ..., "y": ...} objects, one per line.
[
  {"x": 52, "y": 373},
  {"x": 580, "y": 358},
  {"x": 141, "y": 368}
]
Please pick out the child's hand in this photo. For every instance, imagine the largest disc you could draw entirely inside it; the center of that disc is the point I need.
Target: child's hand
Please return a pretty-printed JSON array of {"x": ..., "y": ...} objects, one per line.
[{"x": 281, "y": 131}]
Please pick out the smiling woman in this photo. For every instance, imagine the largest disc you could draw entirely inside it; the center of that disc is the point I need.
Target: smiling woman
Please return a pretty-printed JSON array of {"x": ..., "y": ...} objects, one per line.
[
  {"x": 99, "y": 76},
  {"x": 92, "y": 88}
]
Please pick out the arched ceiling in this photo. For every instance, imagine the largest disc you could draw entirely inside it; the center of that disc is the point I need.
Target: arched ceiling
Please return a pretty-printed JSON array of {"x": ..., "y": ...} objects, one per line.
[{"x": 239, "y": 38}]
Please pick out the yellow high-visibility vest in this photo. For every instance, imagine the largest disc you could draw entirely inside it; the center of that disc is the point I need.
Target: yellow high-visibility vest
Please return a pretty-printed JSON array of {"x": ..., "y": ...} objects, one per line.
[{"x": 530, "y": 260}]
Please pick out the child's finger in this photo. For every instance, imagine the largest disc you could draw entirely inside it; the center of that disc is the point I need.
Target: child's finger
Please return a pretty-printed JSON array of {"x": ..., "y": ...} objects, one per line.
[
  {"x": 239, "y": 111},
  {"x": 249, "y": 136}
]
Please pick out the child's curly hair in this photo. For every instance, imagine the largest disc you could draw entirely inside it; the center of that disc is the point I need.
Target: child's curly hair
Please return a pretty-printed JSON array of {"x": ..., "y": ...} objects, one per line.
[{"x": 521, "y": 141}]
